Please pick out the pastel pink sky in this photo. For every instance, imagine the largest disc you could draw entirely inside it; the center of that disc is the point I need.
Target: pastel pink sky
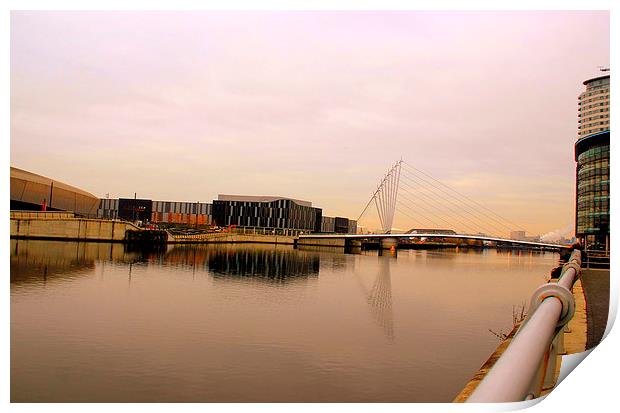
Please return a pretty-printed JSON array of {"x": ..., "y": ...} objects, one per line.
[{"x": 310, "y": 105}]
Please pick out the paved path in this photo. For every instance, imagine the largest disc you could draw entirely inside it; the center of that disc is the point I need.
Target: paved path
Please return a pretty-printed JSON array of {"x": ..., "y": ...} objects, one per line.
[{"x": 596, "y": 289}]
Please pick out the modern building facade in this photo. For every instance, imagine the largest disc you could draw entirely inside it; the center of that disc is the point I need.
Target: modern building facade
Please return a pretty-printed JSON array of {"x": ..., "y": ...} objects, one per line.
[
  {"x": 592, "y": 172},
  {"x": 160, "y": 212},
  {"x": 339, "y": 225},
  {"x": 594, "y": 106},
  {"x": 328, "y": 224},
  {"x": 174, "y": 212},
  {"x": 266, "y": 212},
  {"x": 592, "y": 195}
]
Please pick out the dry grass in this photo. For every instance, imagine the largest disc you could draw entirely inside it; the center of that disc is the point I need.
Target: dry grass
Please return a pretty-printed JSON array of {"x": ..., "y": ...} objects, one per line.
[{"x": 518, "y": 315}]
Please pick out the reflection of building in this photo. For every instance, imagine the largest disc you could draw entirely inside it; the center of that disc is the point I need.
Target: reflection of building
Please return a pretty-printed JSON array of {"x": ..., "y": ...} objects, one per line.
[
  {"x": 266, "y": 212},
  {"x": 30, "y": 191},
  {"x": 55, "y": 261},
  {"x": 592, "y": 174},
  {"x": 273, "y": 264}
]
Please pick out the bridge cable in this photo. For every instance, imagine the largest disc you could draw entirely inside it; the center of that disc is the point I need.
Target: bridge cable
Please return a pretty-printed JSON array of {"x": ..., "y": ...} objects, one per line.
[
  {"x": 477, "y": 225},
  {"x": 395, "y": 185},
  {"x": 390, "y": 194},
  {"x": 418, "y": 193},
  {"x": 458, "y": 222},
  {"x": 381, "y": 211},
  {"x": 469, "y": 207},
  {"x": 516, "y": 226},
  {"x": 372, "y": 197},
  {"x": 421, "y": 224},
  {"x": 450, "y": 224},
  {"x": 465, "y": 196},
  {"x": 376, "y": 204},
  {"x": 465, "y": 205},
  {"x": 406, "y": 206},
  {"x": 403, "y": 212}
]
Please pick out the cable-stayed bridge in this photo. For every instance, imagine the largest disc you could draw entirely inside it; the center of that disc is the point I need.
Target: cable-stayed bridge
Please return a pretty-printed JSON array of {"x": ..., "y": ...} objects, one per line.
[{"x": 406, "y": 193}]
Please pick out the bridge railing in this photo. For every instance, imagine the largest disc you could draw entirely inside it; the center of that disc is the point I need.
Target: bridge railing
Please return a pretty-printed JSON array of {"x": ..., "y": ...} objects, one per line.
[{"x": 527, "y": 367}]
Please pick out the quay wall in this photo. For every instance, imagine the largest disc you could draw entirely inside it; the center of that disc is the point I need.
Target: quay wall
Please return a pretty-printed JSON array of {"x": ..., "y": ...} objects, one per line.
[
  {"x": 322, "y": 242},
  {"x": 214, "y": 238},
  {"x": 65, "y": 226}
]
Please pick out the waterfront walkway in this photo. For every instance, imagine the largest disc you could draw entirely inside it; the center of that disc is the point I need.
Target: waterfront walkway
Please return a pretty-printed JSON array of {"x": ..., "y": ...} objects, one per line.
[
  {"x": 584, "y": 331},
  {"x": 596, "y": 290}
]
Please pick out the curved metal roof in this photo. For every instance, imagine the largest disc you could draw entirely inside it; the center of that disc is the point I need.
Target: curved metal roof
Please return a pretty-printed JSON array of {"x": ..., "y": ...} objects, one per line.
[
  {"x": 33, "y": 188},
  {"x": 585, "y": 82}
]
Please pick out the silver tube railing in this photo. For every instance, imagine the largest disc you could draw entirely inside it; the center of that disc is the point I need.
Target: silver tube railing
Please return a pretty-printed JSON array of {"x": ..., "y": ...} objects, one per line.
[{"x": 527, "y": 366}]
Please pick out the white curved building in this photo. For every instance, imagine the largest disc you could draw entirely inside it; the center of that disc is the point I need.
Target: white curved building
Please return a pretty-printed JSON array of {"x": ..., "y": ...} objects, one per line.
[{"x": 594, "y": 106}]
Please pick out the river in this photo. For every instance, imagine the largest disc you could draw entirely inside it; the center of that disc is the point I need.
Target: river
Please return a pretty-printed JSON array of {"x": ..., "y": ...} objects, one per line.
[{"x": 94, "y": 322}]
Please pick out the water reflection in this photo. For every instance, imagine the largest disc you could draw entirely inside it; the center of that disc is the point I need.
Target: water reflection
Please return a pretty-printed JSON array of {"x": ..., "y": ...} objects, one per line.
[
  {"x": 216, "y": 323},
  {"x": 37, "y": 260},
  {"x": 42, "y": 261},
  {"x": 380, "y": 299},
  {"x": 272, "y": 264}
]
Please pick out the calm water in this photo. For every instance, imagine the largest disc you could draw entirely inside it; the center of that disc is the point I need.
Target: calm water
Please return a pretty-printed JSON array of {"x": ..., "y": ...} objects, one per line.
[{"x": 249, "y": 323}]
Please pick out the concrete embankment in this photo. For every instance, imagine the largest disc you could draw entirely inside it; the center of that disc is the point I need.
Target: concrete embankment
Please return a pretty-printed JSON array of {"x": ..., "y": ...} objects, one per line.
[
  {"x": 66, "y": 226},
  {"x": 224, "y": 237},
  {"x": 322, "y": 242}
]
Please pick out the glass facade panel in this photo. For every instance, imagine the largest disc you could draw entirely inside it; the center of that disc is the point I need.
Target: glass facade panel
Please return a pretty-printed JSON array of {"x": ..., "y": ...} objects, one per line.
[{"x": 593, "y": 198}]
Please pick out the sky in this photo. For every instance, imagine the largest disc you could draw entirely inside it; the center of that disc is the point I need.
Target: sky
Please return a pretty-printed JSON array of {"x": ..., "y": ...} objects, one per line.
[{"x": 310, "y": 105}]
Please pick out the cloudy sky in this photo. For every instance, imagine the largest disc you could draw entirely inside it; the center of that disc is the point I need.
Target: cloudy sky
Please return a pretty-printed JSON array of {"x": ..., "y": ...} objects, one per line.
[{"x": 310, "y": 105}]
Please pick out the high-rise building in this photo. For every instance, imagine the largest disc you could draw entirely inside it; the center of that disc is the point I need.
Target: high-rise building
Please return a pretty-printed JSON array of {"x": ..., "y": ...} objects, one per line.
[
  {"x": 594, "y": 106},
  {"x": 592, "y": 172}
]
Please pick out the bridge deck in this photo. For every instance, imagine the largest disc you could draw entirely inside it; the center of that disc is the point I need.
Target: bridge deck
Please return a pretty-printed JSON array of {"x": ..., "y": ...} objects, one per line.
[{"x": 458, "y": 236}]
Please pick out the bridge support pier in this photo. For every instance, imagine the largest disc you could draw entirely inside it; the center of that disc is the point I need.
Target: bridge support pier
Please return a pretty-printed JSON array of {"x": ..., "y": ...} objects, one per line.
[
  {"x": 353, "y": 246},
  {"x": 389, "y": 243}
]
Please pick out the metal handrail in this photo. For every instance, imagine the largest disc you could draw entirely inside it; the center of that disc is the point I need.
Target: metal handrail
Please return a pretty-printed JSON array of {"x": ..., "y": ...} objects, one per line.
[{"x": 525, "y": 366}]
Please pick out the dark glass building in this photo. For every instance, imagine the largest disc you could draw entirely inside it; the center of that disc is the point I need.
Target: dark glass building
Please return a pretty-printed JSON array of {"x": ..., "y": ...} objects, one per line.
[
  {"x": 266, "y": 212},
  {"x": 341, "y": 225},
  {"x": 135, "y": 209},
  {"x": 592, "y": 195}
]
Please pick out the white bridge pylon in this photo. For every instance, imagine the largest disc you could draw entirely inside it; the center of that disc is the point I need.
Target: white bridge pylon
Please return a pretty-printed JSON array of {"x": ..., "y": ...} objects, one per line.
[{"x": 385, "y": 197}]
